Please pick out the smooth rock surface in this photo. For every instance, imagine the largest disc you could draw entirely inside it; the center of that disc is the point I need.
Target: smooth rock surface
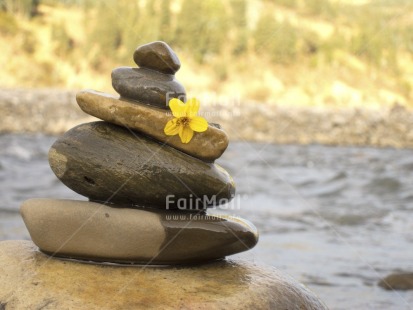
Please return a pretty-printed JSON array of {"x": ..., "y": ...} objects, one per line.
[
  {"x": 109, "y": 163},
  {"x": 31, "y": 280},
  {"x": 208, "y": 145},
  {"x": 88, "y": 230},
  {"x": 158, "y": 56},
  {"x": 398, "y": 281},
  {"x": 148, "y": 86}
]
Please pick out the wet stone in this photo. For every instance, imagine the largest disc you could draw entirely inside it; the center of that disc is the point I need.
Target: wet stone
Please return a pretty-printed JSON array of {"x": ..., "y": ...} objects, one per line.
[{"x": 398, "y": 281}]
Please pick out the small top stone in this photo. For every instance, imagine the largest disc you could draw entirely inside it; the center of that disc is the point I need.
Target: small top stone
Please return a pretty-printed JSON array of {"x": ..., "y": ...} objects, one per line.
[{"x": 157, "y": 56}]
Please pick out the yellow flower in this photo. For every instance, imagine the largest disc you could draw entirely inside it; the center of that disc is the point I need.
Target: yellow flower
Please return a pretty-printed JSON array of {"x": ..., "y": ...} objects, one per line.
[{"x": 185, "y": 120}]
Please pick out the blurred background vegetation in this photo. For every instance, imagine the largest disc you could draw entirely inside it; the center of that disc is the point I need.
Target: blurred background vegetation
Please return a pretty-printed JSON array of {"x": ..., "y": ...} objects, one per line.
[{"x": 292, "y": 52}]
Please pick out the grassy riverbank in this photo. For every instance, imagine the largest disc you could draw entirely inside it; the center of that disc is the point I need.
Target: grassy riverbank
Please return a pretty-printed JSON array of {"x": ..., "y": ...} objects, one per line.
[
  {"x": 288, "y": 53},
  {"x": 319, "y": 71}
]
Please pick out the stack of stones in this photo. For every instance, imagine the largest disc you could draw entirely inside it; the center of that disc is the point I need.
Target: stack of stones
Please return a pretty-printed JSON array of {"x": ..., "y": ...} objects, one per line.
[{"x": 148, "y": 192}]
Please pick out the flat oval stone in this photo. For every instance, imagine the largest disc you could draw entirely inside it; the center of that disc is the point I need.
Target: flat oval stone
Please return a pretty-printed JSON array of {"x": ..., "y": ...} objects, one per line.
[
  {"x": 148, "y": 86},
  {"x": 93, "y": 231},
  {"x": 208, "y": 145},
  {"x": 105, "y": 162},
  {"x": 157, "y": 56},
  {"x": 31, "y": 280}
]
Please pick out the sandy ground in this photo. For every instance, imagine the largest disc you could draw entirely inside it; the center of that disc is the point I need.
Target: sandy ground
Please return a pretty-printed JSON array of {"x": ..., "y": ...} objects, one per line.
[{"x": 54, "y": 111}]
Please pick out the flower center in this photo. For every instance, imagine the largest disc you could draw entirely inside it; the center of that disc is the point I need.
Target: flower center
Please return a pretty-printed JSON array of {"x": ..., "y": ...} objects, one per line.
[{"x": 184, "y": 121}]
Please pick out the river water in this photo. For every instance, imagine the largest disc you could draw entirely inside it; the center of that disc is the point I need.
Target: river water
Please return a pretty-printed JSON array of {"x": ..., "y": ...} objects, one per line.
[{"x": 337, "y": 219}]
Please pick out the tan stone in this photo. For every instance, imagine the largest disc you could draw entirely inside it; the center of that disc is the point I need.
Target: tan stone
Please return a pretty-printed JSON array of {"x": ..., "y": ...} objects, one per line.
[
  {"x": 93, "y": 231},
  {"x": 74, "y": 227},
  {"x": 31, "y": 280},
  {"x": 208, "y": 145}
]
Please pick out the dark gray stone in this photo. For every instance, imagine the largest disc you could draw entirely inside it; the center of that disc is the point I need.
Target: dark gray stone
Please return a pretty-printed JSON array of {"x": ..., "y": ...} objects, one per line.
[
  {"x": 157, "y": 56},
  {"x": 105, "y": 162},
  {"x": 147, "y": 86}
]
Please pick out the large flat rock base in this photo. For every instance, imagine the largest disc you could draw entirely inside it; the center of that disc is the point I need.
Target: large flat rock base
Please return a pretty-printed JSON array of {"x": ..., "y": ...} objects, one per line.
[{"x": 32, "y": 280}]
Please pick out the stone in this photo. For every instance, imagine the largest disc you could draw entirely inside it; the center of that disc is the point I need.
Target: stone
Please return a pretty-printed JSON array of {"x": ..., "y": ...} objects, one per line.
[
  {"x": 110, "y": 233},
  {"x": 398, "y": 281},
  {"x": 147, "y": 86},
  {"x": 109, "y": 163},
  {"x": 208, "y": 145},
  {"x": 31, "y": 280},
  {"x": 157, "y": 56}
]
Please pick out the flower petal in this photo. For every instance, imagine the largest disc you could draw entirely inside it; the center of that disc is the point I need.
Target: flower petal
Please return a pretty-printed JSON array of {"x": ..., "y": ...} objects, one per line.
[
  {"x": 192, "y": 107},
  {"x": 186, "y": 134},
  {"x": 177, "y": 107},
  {"x": 171, "y": 128},
  {"x": 198, "y": 124}
]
